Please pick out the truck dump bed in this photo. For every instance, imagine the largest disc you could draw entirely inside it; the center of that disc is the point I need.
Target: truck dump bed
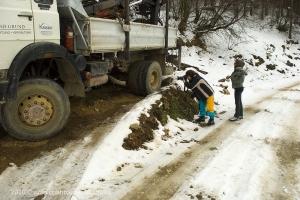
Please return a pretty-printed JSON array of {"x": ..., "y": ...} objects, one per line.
[
  {"x": 100, "y": 35},
  {"x": 108, "y": 35}
]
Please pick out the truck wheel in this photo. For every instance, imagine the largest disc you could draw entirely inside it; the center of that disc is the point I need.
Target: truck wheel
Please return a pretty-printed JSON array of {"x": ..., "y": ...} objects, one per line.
[
  {"x": 133, "y": 78},
  {"x": 40, "y": 110},
  {"x": 0, "y": 114},
  {"x": 150, "y": 77}
]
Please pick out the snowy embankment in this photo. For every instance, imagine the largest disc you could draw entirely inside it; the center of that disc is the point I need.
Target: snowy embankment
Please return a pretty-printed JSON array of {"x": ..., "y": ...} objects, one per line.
[{"x": 244, "y": 166}]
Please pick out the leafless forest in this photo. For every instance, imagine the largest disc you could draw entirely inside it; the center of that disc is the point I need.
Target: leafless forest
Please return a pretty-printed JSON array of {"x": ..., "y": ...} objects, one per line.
[{"x": 206, "y": 16}]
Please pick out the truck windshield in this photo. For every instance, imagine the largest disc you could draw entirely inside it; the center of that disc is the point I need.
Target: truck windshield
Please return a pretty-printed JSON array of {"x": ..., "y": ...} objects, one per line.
[{"x": 49, "y": 2}]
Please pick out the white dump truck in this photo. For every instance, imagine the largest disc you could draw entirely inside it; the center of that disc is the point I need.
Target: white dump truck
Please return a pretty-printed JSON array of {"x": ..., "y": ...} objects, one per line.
[{"x": 53, "y": 49}]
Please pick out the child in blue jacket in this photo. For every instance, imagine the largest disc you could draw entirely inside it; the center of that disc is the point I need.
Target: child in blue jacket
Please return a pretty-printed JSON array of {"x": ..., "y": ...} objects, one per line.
[{"x": 204, "y": 93}]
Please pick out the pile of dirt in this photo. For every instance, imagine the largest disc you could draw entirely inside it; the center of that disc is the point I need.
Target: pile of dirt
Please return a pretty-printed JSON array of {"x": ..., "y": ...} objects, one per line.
[{"x": 174, "y": 103}]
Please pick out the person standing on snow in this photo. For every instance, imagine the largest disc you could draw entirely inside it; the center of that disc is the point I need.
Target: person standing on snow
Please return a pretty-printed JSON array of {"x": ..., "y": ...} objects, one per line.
[
  {"x": 204, "y": 93},
  {"x": 237, "y": 78}
]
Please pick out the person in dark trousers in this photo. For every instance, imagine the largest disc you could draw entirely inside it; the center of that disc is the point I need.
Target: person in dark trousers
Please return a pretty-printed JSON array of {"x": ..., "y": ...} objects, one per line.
[
  {"x": 204, "y": 93},
  {"x": 237, "y": 78}
]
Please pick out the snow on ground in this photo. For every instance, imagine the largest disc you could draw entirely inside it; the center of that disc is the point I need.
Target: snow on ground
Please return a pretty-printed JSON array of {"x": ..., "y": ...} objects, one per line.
[
  {"x": 243, "y": 166},
  {"x": 225, "y": 168}
]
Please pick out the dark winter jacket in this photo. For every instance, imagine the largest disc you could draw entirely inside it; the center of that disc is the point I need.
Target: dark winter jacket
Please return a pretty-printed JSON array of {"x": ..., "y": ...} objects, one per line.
[
  {"x": 201, "y": 89},
  {"x": 238, "y": 75}
]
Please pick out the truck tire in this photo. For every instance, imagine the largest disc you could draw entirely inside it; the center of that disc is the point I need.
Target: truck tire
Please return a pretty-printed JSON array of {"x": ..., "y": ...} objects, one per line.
[
  {"x": 40, "y": 110},
  {"x": 133, "y": 77},
  {"x": 150, "y": 77},
  {"x": 0, "y": 114}
]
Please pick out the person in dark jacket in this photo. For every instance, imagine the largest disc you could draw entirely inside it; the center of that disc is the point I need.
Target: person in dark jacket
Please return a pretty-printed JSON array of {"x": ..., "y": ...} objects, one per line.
[
  {"x": 237, "y": 78},
  {"x": 204, "y": 93}
]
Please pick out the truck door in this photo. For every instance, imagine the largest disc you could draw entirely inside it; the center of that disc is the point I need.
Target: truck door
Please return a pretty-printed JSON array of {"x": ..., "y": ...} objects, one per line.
[
  {"x": 16, "y": 29},
  {"x": 46, "y": 21}
]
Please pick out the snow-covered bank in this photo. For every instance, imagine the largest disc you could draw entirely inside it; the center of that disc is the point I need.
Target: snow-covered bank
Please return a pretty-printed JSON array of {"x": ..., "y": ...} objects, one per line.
[{"x": 242, "y": 160}]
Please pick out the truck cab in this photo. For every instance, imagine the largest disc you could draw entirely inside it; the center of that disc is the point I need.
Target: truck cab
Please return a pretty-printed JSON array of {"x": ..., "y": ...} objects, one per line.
[{"x": 24, "y": 22}]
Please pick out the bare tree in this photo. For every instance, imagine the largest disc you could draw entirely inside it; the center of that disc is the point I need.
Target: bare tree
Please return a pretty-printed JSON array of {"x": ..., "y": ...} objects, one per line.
[
  {"x": 266, "y": 9},
  {"x": 262, "y": 15},
  {"x": 197, "y": 10},
  {"x": 245, "y": 7},
  {"x": 236, "y": 8},
  {"x": 282, "y": 8},
  {"x": 291, "y": 8},
  {"x": 205, "y": 3},
  {"x": 207, "y": 16},
  {"x": 216, "y": 18},
  {"x": 184, "y": 9},
  {"x": 174, "y": 9},
  {"x": 251, "y": 7}
]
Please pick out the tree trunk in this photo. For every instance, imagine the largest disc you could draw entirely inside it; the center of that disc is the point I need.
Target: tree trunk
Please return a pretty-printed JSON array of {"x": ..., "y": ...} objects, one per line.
[
  {"x": 277, "y": 11},
  {"x": 281, "y": 8},
  {"x": 236, "y": 8},
  {"x": 262, "y": 10},
  {"x": 245, "y": 7},
  {"x": 251, "y": 7},
  {"x": 297, "y": 7},
  {"x": 266, "y": 7},
  {"x": 174, "y": 9},
  {"x": 184, "y": 16},
  {"x": 205, "y": 3},
  {"x": 197, "y": 17},
  {"x": 291, "y": 18}
]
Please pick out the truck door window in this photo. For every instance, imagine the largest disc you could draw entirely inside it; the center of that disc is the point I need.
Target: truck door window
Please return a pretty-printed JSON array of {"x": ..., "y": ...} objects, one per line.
[{"x": 49, "y": 2}]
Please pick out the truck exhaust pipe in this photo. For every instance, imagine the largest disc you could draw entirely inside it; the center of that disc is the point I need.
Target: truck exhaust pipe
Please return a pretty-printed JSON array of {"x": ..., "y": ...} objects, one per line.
[{"x": 116, "y": 81}]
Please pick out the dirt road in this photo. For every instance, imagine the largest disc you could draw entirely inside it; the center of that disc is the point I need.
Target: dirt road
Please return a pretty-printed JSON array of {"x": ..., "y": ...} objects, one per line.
[{"x": 98, "y": 109}]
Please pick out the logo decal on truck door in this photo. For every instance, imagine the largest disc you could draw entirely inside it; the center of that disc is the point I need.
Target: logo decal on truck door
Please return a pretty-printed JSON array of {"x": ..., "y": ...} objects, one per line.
[{"x": 45, "y": 28}]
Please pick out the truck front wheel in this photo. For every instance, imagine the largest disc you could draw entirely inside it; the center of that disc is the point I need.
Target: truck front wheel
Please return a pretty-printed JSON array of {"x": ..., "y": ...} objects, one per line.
[{"x": 40, "y": 110}]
